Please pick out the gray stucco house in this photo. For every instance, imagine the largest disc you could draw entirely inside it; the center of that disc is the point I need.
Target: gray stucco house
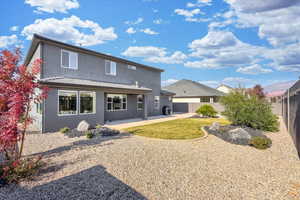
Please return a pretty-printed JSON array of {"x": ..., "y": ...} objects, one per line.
[
  {"x": 190, "y": 95},
  {"x": 91, "y": 86}
]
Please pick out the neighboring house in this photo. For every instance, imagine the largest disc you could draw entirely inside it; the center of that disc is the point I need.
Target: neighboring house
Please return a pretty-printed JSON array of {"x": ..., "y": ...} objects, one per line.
[
  {"x": 91, "y": 86},
  {"x": 225, "y": 89},
  {"x": 190, "y": 95}
]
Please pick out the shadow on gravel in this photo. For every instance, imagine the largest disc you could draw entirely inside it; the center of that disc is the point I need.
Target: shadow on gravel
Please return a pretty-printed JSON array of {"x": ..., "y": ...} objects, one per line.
[
  {"x": 93, "y": 183},
  {"x": 96, "y": 141}
]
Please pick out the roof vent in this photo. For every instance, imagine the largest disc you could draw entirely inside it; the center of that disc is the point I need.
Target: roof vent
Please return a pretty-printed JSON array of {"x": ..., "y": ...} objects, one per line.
[{"x": 137, "y": 84}]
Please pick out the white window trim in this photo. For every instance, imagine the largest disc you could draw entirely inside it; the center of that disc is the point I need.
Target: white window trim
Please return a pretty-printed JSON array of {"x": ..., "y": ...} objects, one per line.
[
  {"x": 110, "y": 74},
  {"x": 61, "y": 60},
  {"x": 74, "y": 91},
  {"x": 112, "y": 110},
  {"x": 94, "y": 103},
  {"x": 137, "y": 103}
]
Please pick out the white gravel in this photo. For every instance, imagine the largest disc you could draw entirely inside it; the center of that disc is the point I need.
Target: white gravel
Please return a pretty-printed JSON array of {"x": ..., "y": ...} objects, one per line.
[{"x": 133, "y": 167}]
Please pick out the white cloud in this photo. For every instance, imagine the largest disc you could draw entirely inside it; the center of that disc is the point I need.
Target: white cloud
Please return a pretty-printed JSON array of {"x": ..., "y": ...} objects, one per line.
[
  {"x": 155, "y": 54},
  {"x": 286, "y": 58},
  {"x": 212, "y": 84},
  {"x": 255, "y": 6},
  {"x": 219, "y": 49},
  {"x": 199, "y": 3},
  {"x": 176, "y": 58},
  {"x": 131, "y": 30},
  {"x": 149, "y": 31},
  {"x": 137, "y": 21},
  {"x": 237, "y": 81},
  {"x": 188, "y": 13},
  {"x": 191, "y": 15},
  {"x": 52, "y": 6},
  {"x": 146, "y": 51},
  {"x": 14, "y": 28},
  {"x": 6, "y": 41},
  {"x": 277, "y": 20},
  {"x": 158, "y": 21},
  {"x": 169, "y": 81},
  {"x": 254, "y": 69},
  {"x": 70, "y": 30}
]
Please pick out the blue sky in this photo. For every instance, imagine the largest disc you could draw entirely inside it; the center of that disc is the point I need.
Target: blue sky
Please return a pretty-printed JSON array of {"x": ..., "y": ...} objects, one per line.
[{"x": 211, "y": 41}]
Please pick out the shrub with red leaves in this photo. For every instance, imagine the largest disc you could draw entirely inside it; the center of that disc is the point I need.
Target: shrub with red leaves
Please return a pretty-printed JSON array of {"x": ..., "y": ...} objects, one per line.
[{"x": 18, "y": 85}]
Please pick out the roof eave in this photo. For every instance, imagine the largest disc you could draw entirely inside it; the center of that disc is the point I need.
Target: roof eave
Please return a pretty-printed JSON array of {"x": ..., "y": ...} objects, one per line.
[{"x": 38, "y": 39}]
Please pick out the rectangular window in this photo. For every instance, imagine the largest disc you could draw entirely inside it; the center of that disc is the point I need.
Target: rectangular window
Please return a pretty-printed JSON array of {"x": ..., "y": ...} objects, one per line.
[
  {"x": 87, "y": 102},
  {"x": 131, "y": 67},
  {"x": 67, "y": 102},
  {"x": 140, "y": 102},
  {"x": 156, "y": 103},
  {"x": 69, "y": 59},
  {"x": 110, "y": 68},
  {"x": 116, "y": 102}
]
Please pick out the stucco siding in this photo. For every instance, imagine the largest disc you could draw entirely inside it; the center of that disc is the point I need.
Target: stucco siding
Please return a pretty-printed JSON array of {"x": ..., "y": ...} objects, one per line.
[
  {"x": 192, "y": 107},
  {"x": 91, "y": 67},
  {"x": 131, "y": 111},
  {"x": 53, "y": 122},
  {"x": 165, "y": 101}
]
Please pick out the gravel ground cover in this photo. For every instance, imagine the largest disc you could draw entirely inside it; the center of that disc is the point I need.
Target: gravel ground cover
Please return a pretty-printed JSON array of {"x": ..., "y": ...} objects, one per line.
[{"x": 134, "y": 167}]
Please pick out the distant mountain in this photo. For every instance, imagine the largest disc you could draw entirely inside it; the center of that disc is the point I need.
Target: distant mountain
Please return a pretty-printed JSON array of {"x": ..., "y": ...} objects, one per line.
[{"x": 277, "y": 89}]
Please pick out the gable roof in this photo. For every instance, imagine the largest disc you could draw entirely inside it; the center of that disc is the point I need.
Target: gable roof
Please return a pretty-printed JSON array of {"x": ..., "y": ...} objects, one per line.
[
  {"x": 223, "y": 85},
  {"x": 188, "y": 88},
  {"x": 37, "y": 39}
]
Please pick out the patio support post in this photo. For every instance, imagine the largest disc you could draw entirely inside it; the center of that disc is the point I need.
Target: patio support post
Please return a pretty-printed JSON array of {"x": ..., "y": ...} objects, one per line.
[{"x": 145, "y": 100}]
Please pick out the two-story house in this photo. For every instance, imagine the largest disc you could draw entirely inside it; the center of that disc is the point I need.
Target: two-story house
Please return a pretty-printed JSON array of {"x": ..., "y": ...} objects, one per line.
[{"x": 91, "y": 86}]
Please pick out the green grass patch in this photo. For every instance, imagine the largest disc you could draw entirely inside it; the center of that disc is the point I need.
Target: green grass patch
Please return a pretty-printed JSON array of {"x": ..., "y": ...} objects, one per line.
[{"x": 178, "y": 129}]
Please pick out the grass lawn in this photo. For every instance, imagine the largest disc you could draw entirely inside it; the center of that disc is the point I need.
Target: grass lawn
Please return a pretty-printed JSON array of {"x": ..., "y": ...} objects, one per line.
[{"x": 175, "y": 129}]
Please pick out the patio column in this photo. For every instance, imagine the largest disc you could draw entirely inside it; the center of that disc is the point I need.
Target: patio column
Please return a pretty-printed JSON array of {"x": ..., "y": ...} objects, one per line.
[{"x": 145, "y": 102}]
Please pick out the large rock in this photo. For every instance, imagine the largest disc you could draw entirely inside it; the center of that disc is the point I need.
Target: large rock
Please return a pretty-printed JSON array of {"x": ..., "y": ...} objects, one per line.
[
  {"x": 215, "y": 126},
  {"x": 83, "y": 126},
  {"x": 239, "y": 136}
]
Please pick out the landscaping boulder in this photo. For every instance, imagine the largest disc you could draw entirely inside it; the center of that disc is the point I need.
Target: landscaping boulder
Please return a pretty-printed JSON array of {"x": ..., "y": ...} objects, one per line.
[
  {"x": 83, "y": 126},
  {"x": 239, "y": 136},
  {"x": 215, "y": 126}
]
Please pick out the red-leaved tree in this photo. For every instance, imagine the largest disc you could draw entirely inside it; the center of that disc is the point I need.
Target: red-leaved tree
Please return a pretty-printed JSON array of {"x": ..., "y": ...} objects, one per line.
[{"x": 18, "y": 86}]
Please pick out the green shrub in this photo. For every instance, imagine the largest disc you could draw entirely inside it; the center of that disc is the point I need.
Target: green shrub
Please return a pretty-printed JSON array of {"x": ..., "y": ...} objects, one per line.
[
  {"x": 98, "y": 126},
  {"x": 89, "y": 135},
  {"x": 260, "y": 142},
  {"x": 64, "y": 130},
  {"x": 207, "y": 111},
  {"x": 246, "y": 110}
]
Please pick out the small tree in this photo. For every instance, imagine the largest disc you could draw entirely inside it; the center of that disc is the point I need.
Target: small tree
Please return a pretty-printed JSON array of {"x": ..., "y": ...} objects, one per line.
[
  {"x": 258, "y": 91},
  {"x": 17, "y": 90},
  {"x": 207, "y": 110},
  {"x": 249, "y": 110}
]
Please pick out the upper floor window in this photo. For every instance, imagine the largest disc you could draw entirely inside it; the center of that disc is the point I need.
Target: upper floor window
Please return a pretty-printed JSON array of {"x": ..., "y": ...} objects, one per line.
[
  {"x": 131, "y": 67},
  {"x": 110, "y": 68},
  {"x": 69, "y": 59}
]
